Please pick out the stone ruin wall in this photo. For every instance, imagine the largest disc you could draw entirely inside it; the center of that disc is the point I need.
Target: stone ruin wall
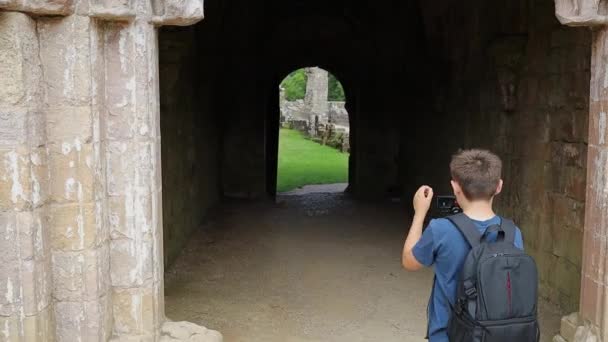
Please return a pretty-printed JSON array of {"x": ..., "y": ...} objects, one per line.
[
  {"x": 191, "y": 137},
  {"x": 519, "y": 88},
  {"x": 315, "y": 116}
]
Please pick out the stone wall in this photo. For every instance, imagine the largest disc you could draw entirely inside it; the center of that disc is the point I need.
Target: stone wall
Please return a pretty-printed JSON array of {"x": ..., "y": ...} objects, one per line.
[
  {"x": 298, "y": 111},
  {"x": 190, "y": 135},
  {"x": 338, "y": 115},
  {"x": 517, "y": 84}
]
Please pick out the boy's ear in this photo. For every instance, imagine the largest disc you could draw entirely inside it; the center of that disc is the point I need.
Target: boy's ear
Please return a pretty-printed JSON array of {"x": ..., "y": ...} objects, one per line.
[
  {"x": 455, "y": 187},
  {"x": 499, "y": 187}
]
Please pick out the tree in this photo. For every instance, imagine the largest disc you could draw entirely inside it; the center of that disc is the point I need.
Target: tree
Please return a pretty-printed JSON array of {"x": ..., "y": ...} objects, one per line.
[
  {"x": 295, "y": 85},
  {"x": 336, "y": 92}
]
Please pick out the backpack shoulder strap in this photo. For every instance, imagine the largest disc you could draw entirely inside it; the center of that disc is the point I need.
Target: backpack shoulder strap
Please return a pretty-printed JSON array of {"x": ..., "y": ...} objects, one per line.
[
  {"x": 509, "y": 228},
  {"x": 467, "y": 228}
]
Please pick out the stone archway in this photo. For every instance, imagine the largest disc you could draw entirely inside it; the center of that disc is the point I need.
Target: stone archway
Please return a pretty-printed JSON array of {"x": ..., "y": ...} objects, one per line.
[
  {"x": 80, "y": 185},
  {"x": 80, "y": 192}
]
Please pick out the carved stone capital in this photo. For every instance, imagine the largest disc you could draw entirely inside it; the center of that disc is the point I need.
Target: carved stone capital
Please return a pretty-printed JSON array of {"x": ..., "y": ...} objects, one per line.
[
  {"x": 582, "y": 12},
  {"x": 179, "y": 13},
  {"x": 39, "y": 7}
]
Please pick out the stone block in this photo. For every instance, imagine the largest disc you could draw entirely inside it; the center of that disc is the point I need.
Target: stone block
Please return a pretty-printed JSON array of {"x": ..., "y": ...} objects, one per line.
[
  {"x": 568, "y": 277},
  {"x": 134, "y": 312},
  {"x": 564, "y": 126},
  {"x": 35, "y": 280},
  {"x": 567, "y": 212},
  {"x": 49, "y": 7},
  {"x": 113, "y": 10},
  {"x": 11, "y": 328},
  {"x": 121, "y": 86},
  {"x": 558, "y": 338},
  {"x": 81, "y": 276},
  {"x": 40, "y": 176},
  {"x": 72, "y": 171},
  {"x": 598, "y": 124},
  {"x": 135, "y": 338},
  {"x": 39, "y": 7},
  {"x": 132, "y": 262},
  {"x": 68, "y": 124},
  {"x": 83, "y": 321},
  {"x": 130, "y": 167},
  {"x": 568, "y": 326},
  {"x": 25, "y": 272},
  {"x": 20, "y": 69},
  {"x": 568, "y": 154},
  {"x": 74, "y": 226},
  {"x": 180, "y": 12},
  {"x": 15, "y": 181},
  {"x": 546, "y": 266},
  {"x": 186, "y": 331},
  {"x": 575, "y": 183},
  {"x": 13, "y": 126},
  {"x": 66, "y": 56},
  {"x": 35, "y": 328},
  {"x": 31, "y": 235},
  {"x": 568, "y": 244},
  {"x": 131, "y": 216}
]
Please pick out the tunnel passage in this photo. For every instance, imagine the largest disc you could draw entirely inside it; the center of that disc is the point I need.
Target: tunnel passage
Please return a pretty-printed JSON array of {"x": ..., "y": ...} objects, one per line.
[{"x": 422, "y": 80}]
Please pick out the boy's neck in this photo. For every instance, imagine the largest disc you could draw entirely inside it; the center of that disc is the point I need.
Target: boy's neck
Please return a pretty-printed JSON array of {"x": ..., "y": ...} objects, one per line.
[{"x": 478, "y": 210}]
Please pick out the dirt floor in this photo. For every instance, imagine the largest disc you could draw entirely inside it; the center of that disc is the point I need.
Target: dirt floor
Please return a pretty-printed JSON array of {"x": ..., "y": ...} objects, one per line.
[{"x": 316, "y": 267}]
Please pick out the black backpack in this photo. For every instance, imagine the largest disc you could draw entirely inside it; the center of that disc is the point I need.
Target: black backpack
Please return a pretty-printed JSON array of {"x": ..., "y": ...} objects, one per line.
[{"x": 497, "y": 290}]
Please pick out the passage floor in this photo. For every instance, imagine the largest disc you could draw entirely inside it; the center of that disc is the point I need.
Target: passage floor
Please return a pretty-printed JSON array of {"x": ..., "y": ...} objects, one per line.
[{"x": 316, "y": 267}]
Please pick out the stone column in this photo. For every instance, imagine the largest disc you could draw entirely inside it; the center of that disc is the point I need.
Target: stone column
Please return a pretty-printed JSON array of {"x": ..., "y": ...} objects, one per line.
[
  {"x": 591, "y": 323},
  {"x": 132, "y": 148},
  {"x": 317, "y": 87},
  {"x": 81, "y": 255},
  {"x": 78, "y": 229},
  {"x": 26, "y": 312}
]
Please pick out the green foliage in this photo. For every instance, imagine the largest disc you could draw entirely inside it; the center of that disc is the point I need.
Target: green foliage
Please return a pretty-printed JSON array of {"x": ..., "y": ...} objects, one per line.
[
  {"x": 295, "y": 86},
  {"x": 336, "y": 92},
  {"x": 304, "y": 162}
]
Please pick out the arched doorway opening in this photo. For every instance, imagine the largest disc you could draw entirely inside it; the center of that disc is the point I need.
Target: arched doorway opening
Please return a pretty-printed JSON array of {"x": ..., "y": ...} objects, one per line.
[{"x": 314, "y": 133}]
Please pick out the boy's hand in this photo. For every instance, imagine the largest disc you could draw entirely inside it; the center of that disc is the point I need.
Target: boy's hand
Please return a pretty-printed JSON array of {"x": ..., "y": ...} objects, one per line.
[{"x": 422, "y": 199}]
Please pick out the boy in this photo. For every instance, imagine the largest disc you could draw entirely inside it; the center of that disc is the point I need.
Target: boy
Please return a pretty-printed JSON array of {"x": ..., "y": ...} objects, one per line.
[{"x": 476, "y": 179}]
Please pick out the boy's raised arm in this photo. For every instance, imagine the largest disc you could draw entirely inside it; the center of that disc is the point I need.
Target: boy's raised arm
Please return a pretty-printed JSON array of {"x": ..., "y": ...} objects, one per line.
[{"x": 422, "y": 203}]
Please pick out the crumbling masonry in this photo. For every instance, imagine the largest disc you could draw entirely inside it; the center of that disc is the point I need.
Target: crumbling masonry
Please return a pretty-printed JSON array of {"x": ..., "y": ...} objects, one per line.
[{"x": 81, "y": 196}]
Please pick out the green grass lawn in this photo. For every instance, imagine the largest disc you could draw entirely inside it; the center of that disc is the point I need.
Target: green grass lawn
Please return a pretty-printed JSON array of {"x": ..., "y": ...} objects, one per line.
[{"x": 304, "y": 162}]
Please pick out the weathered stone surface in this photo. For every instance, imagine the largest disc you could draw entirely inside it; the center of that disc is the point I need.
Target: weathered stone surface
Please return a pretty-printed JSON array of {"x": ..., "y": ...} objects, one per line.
[
  {"x": 134, "y": 312},
  {"x": 81, "y": 276},
  {"x": 38, "y": 328},
  {"x": 180, "y": 12},
  {"x": 20, "y": 70},
  {"x": 186, "y": 331},
  {"x": 39, "y": 7},
  {"x": 83, "y": 320},
  {"x": 580, "y": 13},
  {"x": 65, "y": 53}
]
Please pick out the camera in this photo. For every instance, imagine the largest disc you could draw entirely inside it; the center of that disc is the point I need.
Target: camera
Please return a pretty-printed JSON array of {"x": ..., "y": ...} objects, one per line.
[{"x": 447, "y": 205}]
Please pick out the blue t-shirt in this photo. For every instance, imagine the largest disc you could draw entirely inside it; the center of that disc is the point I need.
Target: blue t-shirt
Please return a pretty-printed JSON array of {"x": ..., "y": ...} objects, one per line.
[{"x": 443, "y": 246}]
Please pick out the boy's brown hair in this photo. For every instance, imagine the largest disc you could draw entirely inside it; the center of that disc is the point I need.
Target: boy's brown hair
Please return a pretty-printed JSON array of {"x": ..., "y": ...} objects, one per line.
[{"x": 478, "y": 173}]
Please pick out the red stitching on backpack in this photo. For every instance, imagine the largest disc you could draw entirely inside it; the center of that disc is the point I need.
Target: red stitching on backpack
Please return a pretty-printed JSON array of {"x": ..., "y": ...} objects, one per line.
[{"x": 509, "y": 292}]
